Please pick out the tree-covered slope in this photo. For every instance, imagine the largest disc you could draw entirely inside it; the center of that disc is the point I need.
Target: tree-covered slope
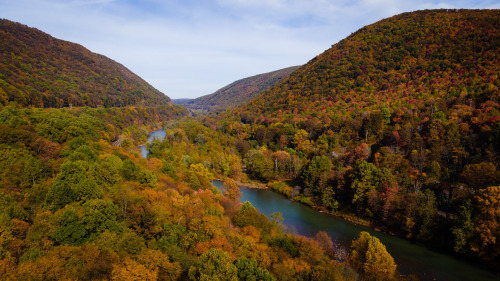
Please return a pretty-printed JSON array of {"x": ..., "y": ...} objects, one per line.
[
  {"x": 425, "y": 56},
  {"x": 180, "y": 101},
  {"x": 41, "y": 71},
  {"x": 239, "y": 91},
  {"x": 398, "y": 123},
  {"x": 74, "y": 207}
]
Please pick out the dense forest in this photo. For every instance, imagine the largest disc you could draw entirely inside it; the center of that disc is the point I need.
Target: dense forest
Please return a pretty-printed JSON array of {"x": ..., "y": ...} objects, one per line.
[
  {"x": 238, "y": 92},
  {"x": 397, "y": 124},
  {"x": 75, "y": 207},
  {"x": 38, "y": 70},
  {"x": 78, "y": 202}
]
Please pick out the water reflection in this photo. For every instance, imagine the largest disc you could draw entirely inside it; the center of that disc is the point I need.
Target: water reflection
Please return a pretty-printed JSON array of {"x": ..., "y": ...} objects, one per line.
[{"x": 410, "y": 257}]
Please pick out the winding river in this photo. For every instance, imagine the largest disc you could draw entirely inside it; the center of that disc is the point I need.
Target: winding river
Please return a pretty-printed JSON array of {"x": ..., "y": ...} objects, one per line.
[
  {"x": 158, "y": 134},
  {"x": 410, "y": 257}
]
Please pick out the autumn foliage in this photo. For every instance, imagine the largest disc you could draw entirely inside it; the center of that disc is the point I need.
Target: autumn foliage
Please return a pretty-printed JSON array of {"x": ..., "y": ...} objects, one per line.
[
  {"x": 399, "y": 123},
  {"x": 38, "y": 70}
]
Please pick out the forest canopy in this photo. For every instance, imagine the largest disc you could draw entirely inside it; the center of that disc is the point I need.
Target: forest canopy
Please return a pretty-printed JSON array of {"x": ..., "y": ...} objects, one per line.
[{"x": 38, "y": 70}]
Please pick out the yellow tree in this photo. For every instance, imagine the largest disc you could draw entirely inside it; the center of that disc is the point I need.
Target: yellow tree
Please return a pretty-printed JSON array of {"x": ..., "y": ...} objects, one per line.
[
  {"x": 131, "y": 270},
  {"x": 282, "y": 161},
  {"x": 199, "y": 177},
  {"x": 302, "y": 142},
  {"x": 369, "y": 258},
  {"x": 487, "y": 223},
  {"x": 232, "y": 190},
  {"x": 235, "y": 166},
  {"x": 157, "y": 261}
]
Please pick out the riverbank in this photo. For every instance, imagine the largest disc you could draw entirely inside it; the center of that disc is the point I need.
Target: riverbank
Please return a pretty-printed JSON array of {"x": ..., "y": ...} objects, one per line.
[
  {"x": 311, "y": 203},
  {"x": 355, "y": 220},
  {"x": 253, "y": 185},
  {"x": 412, "y": 258},
  {"x": 308, "y": 219},
  {"x": 158, "y": 130}
]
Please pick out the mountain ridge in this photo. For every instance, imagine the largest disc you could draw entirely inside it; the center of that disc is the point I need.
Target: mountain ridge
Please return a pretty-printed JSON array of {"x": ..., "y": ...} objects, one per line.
[
  {"x": 398, "y": 123},
  {"x": 356, "y": 75},
  {"x": 239, "y": 91},
  {"x": 39, "y": 70}
]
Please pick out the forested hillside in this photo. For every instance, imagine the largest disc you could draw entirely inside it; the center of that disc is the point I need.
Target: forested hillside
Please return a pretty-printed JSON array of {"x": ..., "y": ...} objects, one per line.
[
  {"x": 398, "y": 123},
  {"x": 78, "y": 202},
  {"x": 240, "y": 91},
  {"x": 428, "y": 56},
  {"x": 41, "y": 71},
  {"x": 74, "y": 207}
]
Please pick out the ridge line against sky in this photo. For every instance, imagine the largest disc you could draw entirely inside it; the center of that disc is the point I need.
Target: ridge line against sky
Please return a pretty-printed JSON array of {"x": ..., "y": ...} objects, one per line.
[{"x": 190, "y": 48}]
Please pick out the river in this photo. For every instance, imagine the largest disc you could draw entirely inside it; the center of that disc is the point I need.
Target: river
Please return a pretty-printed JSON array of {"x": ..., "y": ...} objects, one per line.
[
  {"x": 410, "y": 257},
  {"x": 158, "y": 134}
]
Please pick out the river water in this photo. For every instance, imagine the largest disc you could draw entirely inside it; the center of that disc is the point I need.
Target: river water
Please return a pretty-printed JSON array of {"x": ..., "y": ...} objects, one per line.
[
  {"x": 410, "y": 257},
  {"x": 158, "y": 134}
]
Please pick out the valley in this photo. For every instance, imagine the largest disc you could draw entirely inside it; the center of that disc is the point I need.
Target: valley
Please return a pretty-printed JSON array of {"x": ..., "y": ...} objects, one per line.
[{"x": 396, "y": 127}]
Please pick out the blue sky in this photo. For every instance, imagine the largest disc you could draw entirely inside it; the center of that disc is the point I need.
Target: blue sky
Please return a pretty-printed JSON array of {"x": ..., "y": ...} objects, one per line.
[{"x": 192, "y": 48}]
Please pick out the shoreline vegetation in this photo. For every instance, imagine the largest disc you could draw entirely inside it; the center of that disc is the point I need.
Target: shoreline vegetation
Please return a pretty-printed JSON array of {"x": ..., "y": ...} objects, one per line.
[
  {"x": 352, "y": 218},
  {"x": 345, "y": 216},
  {"x": 396, "y": 127}
]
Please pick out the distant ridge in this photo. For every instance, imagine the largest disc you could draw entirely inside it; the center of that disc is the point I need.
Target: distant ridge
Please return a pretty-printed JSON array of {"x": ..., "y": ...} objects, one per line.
[
  {"x": 39, "y": 70},
  {"x": 238, "y": 92},
  {"x": 181, "y": 101}
]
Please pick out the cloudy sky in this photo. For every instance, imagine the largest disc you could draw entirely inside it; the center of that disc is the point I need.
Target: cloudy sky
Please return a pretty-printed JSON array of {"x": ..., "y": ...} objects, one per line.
[{"x": 190, "y": 48}]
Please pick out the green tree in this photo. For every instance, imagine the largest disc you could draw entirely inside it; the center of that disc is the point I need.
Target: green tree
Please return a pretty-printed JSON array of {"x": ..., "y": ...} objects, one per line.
[
  {"x": 84, "y": 153},
  {"x": 130, "y": 170},
  {"x": 87, "y": 189},
  {"x": 147, "y": 177},
  {"x": 258, "y": 165},
  {"x": 100, "y": 215},
  {"x": 170, "y": 170},
  {"x": 214, "y": 264},
  {"x": 73, "y": 172},
  {"x": 59, "y": 195},
  {"x": 107, "y": 171},
  {"x": 366, "y": 177},
  {"x": 73, "y": 183},
  {"x": 426, "y": 214},
  {"x": 316, "y": 173},
  {"x": 71, "y": 231},
  {"x": 248, "y": 215},
  {"x": 374, "y": 124},
  {"x": 75, "y": 143},
  {"x": 463, "y": 228},
  {"x": 131, "y": 243},
  {"x": 32, "y": 171},
  {"x": 328, "y": 198},
  {"x": 249, "y": 270}
]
